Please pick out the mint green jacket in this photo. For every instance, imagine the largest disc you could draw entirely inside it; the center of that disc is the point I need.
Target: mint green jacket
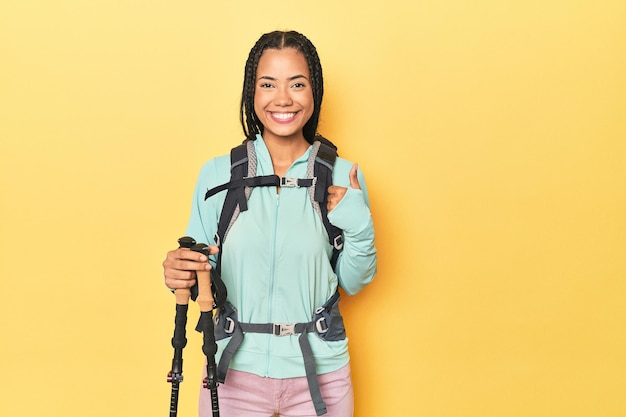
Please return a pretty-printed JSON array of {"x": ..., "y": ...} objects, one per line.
[{"x": 276, "y": 261}]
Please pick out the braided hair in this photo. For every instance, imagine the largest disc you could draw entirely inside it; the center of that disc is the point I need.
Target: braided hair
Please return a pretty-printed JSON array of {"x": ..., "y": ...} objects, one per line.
[{"x": 280, "y": 40}]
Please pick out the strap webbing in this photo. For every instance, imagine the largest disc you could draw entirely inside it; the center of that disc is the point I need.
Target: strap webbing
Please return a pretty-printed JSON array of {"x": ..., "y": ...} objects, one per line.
[
  {"x": 243, "y": 179},
  {"x": 260, "y": 181},
  {"x": 323, "y": 171},
  {"x": 233, "y": 344},
  {"x": 307, "y": 354},
  {"x": 311, "y": 374}
]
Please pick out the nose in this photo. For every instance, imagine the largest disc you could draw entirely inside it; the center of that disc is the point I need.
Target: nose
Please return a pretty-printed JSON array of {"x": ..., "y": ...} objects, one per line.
[{"x": 283, "y": 98}]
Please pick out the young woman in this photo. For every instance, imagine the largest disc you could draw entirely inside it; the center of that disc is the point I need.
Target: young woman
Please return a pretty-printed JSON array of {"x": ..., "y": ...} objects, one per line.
[{"x": 276, "y": 262}]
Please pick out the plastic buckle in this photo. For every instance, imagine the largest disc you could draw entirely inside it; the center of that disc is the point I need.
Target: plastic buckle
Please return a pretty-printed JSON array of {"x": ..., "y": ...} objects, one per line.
[
  {"x": 229, "y": 326},
  {"x": 338, "y": 242},
  {"x": 321, "y": 326},
  {"x": 289, "y": 182},
  {"x": 284, "y": 329}
]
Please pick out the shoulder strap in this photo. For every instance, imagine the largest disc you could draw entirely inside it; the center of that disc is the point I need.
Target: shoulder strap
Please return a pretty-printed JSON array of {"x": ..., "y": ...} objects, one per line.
[
  {"x": 322, "y": 162},
  {"x": 243, "y": 178},
  {"x": 237, "y": 196}
]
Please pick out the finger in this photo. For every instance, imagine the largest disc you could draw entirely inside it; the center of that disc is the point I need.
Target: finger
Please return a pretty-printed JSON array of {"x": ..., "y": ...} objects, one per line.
[
  {"x": 183, "y": 261},
  {"x": 179, "y": 275},
  {"x": 185, "y": 253},
  {"x": 336, "y": 194},
  {"x": 354, "y": 181},
  {"x": 175, "y": 283},
  {"x": 175, "y": 278},
  {"x": 334, "y": 198},
  {"x": 333, "y": 189},
  {"x": 190, "y": 266}
]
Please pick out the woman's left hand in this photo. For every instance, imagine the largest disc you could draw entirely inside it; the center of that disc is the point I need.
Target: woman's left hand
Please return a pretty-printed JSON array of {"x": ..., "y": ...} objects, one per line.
[{"x": 336, "y": 193}]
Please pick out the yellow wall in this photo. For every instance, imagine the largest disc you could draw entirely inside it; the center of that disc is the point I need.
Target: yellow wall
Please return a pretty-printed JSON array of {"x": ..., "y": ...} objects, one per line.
[{"x": 493, "y": 137}]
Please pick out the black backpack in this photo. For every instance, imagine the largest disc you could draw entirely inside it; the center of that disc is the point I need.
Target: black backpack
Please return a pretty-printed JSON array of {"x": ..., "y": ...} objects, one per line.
[
  {"x": 327, "y": 322},
  {"x": 243, "y": 178}
]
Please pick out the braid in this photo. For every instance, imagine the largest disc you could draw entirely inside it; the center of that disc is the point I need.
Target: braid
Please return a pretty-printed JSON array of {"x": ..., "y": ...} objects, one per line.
[
  {"x": 251, "y": 126},
  {"x": 317, "y": 82},
  {"x": 279, "y": 40}
]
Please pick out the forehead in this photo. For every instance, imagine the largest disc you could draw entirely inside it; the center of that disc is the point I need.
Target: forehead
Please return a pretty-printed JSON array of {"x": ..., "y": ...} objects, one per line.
[{"x": 286, "y": 61}]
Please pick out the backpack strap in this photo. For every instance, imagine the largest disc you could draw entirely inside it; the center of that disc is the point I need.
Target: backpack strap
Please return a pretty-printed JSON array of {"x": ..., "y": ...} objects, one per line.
[
  {"x": 320, "y": 166},
  {"x": 238, "y": 194},
  {"x": 327, "y": 323},
  {"x": 243, "y": 178}
]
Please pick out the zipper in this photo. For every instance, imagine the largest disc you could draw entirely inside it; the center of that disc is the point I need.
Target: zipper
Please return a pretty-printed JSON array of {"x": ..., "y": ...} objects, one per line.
[{"x": 272, "y": 281}]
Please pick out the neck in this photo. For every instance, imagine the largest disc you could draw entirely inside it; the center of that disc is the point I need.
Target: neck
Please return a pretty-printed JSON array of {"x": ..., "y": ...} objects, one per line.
[{"x": 284, "y": 151}]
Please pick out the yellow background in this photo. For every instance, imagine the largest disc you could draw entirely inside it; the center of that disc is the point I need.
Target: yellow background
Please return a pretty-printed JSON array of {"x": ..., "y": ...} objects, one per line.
[{"x": 493, "y": 137}]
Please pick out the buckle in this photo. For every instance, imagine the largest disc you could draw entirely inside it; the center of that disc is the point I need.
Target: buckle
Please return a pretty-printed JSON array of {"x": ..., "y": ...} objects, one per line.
[
  {"x": 229, "y": 326},
  {"x": 289, "y": 182},
  {"x": 321, "y": 326},
  {"x": 283, "y": 329},
  {"x": 338, "y": 242}
]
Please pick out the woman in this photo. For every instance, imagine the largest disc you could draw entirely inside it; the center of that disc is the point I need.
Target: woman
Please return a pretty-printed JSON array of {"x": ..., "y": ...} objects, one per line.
[{"x": 276, "y": 262}]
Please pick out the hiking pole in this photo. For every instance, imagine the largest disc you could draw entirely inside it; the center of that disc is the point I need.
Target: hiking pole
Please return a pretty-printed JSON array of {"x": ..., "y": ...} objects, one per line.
[
  {"x": 175, "y": 376},
  {"x": 206, "y": 302}
]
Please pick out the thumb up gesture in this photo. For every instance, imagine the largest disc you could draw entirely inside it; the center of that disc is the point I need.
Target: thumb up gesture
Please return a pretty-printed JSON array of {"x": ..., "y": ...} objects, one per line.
[{"x": 336, "y": 193}]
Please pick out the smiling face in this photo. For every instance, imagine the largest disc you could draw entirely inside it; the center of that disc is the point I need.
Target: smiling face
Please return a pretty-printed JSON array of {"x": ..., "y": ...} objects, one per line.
[{"x": 283, "y": 98}]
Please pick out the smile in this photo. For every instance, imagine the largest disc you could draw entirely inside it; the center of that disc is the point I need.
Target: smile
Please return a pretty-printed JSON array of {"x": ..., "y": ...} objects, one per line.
[{"x": 283, "y": 117}]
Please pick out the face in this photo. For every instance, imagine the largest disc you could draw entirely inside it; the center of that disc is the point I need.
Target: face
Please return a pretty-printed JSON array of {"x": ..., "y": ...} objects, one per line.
[{"x": 283, "y": 98}]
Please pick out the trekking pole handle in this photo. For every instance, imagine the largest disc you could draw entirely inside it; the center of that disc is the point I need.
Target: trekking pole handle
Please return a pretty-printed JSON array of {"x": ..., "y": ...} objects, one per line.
[
  {"x": 205, "y": 295},
  {"x": 184, "y": 294}
]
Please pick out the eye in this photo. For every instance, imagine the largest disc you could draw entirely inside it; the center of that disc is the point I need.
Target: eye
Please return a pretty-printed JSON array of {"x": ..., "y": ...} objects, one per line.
[
  {"x": 265, "y": 85},
  {"x": 299, "y": 85}
]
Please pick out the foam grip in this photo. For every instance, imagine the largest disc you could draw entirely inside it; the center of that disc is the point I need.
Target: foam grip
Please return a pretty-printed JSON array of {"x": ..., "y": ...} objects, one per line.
[{"x": 205, "y": 295}]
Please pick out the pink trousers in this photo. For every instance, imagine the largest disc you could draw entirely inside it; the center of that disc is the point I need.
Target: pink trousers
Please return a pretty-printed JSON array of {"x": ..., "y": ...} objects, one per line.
[{"x": 249, "y": 395}]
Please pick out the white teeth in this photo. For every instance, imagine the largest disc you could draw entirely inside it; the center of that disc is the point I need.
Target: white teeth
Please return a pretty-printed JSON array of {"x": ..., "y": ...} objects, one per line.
[{"x": 283, "y": 116}]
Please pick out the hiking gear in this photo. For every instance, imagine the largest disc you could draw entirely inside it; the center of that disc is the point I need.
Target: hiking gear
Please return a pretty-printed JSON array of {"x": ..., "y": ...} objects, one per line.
[
  {"x": 243, "y": 178},
  {"x": 179, "y": 340},
  {"x": 327, "y": 324},
  {"x": 206, "y": 302}
]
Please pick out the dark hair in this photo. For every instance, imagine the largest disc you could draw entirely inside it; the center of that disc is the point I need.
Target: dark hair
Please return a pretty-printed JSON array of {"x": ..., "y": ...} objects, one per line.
[{"x": 280, "y": 40}]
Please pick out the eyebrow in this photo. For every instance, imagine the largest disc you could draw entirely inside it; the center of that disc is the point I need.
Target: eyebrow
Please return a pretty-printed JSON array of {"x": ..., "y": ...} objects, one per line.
[{"x": 293, "y": 77}]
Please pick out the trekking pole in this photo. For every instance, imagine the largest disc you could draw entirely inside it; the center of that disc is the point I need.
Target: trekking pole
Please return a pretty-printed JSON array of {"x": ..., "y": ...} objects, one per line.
[
  {"x": 175, "y": 376},
  {"x": 206, "y": 302}
]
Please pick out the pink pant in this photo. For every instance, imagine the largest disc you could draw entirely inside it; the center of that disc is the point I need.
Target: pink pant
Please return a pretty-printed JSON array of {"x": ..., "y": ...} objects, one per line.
[{"x": 249, "y": 395}]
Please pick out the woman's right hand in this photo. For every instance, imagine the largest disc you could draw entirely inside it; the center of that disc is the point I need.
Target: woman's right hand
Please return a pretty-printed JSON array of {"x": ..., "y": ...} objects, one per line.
[{"x": 180, "y": 266}]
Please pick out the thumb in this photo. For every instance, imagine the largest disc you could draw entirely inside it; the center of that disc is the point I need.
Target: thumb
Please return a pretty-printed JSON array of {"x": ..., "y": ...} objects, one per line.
[
  {"x": 354, "y": 182},
  {"x": 213, "y": 249}
]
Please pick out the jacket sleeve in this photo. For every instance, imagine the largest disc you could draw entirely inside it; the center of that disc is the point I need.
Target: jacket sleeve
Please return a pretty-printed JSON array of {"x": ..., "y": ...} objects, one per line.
[
  {"x": 202, "y": 223},
  {"x": 356, "y": 265}
]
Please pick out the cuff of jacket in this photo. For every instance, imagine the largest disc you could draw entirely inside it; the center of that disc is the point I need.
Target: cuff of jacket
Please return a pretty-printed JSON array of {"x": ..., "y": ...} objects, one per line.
[{"x": 352, "y": 214}]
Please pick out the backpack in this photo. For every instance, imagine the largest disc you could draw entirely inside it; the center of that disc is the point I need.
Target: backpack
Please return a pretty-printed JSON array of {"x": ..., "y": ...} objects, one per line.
[
  {"x": 327, "y": 322},
  {"x": 243, "y": 179}
]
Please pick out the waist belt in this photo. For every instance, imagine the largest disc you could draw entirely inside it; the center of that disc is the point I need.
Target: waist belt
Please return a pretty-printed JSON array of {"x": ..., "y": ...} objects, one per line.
[{"x": 321, "y": 324}]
